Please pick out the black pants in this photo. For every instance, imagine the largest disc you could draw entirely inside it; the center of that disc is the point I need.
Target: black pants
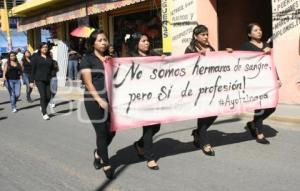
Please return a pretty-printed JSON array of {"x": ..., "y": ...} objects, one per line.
[
  {"x": 146, "y": 141},
  {"x": 45, "y": 94},
  {"x": 203, "y": 124},
  {"x": 100, "y": 120},
  {"x": 260, "y": 115}
]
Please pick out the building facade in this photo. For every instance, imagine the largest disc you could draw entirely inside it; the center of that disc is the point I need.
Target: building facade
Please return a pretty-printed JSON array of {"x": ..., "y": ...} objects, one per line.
[{"x": 170, "y": 24}]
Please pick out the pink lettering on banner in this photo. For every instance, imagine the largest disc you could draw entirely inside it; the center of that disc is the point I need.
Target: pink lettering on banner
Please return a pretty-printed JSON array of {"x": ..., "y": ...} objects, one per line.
[{"x": 150, "y": 90}]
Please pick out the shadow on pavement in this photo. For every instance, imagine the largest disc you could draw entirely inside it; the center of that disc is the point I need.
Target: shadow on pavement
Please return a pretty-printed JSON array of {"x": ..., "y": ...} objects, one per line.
[
  {"x": 29, "y": 107},
  {"x": 5, "y": 102},
  {"x": 169, "y": 147},
  {"x": 2, "y": 118},
  {"x": 36, "y": 99},
  {"x": 64, "y": 102},
  {"x": 62, "y": 112}
]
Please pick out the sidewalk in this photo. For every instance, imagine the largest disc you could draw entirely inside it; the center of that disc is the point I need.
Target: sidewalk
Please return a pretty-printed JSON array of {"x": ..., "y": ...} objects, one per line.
[{"x": 284, "y": 113}]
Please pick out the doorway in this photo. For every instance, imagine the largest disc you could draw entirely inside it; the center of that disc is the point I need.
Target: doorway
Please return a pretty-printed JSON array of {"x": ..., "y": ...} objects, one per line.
[{"x": 235, "y": 15}]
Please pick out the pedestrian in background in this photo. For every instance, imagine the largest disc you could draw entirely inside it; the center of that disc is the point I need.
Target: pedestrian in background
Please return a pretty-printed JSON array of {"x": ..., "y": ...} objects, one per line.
[
  {"x": 73, "y": 65},
  {"x": 42, "y": 67},
  {"x": 12, "y": 76},
  {"x": 19, "y": 54},
  {"x": 53, "y": 82},
  {"x": 27, "y": 67}
]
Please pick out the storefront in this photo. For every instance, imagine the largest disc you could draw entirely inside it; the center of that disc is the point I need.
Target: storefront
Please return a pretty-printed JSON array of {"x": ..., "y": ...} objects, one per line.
[
  {"x": 227, "y": 21},
  {"x": 147, "y": 22},
  {"x": 108, "y": 15}
]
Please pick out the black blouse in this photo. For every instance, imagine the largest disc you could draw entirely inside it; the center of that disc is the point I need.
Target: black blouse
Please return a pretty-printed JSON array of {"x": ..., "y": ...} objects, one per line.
[
  {"x": 27, "y": 66},
  {"x": 91, "y": 61},
  {"x": 136, "y": 54},
  {"x": 192, "y": 49},
  {"x": 13, "y": 73},
  {"x": 248, "y": 46}
]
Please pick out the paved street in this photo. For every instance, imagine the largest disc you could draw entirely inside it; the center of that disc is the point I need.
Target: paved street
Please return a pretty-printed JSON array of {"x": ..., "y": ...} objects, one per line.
[{"x": 57, "y": 155}]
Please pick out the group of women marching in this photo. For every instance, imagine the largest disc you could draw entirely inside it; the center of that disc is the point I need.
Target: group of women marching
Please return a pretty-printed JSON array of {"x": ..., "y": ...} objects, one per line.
[
  {"x": 39, "y": 68},
  {"x": 97, "y": 105}
]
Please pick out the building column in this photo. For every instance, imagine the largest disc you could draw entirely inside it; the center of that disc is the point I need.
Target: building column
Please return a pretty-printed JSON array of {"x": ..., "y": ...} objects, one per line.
[
  {"x": 30, "y": 40},
  {"x": 61, "y": 31},
  {"x": 103, "y": 23},
  {"x": 36, "y": 38}
]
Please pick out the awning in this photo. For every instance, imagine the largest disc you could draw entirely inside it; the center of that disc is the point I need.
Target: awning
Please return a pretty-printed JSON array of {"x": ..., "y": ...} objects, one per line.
[
  {"x": 69, "y": 13},
  {"x": 95, "y": 7},
  {"x": 32, "y": 5}
]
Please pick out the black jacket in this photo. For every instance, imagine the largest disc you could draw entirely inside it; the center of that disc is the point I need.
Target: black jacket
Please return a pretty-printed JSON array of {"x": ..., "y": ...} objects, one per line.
[{"x": 41, "y": 68}]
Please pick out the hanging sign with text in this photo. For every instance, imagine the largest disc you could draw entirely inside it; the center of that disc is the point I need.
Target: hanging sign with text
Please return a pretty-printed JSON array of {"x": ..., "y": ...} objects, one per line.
[{"x": 149, "y": 90}]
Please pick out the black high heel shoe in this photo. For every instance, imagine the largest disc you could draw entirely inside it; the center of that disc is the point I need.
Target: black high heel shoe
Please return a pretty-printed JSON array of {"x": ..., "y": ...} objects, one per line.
[
  {"x": 136, "y": 148},
  {"x": 196, "y": 138},
  {"x": 263, "y": 141},
  {"x": 254, "y": 134},
  {"x": 153, "y": 167},
  {"x": 109, "y": 173},
  {"x": 97, "y": 162},
  {"x": 211, "y": 152}
]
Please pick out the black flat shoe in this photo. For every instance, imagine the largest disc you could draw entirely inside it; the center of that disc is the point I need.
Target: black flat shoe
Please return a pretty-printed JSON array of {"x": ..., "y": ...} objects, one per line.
[
  {"x": 109, "y": 173},
  {"x": 136, "y": 148},
  {"x": 211, "y": 152},
  {"x": 263, "y": 141},
  {"x": 251, "y": 129},
  {"x": 97, "y": 162},
  {"x": 153, "y": 167},
  {"x": 196, "y": 138}
]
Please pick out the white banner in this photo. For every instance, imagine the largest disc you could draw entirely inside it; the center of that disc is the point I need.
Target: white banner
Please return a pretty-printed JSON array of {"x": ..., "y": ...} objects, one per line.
[{"x": 151, "y": 90}]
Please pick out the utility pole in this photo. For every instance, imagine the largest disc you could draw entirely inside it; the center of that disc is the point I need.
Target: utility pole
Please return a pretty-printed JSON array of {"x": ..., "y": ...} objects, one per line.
[{"x": 9, "y": 42}]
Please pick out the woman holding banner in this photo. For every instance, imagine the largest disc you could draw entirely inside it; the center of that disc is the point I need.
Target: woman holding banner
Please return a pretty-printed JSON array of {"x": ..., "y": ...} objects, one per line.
[
  {"x": 140, "y": 45},
  {"x": 255, "y": 43},
  {"x": 200, "y": 44},
  {"x": 95, "y": 98}
]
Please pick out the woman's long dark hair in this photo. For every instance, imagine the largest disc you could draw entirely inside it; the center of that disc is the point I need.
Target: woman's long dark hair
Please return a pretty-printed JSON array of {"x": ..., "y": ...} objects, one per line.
[
  {"x": 40, "y": 47},
  {"x": 24, "y": 55},
  {"x": 197, "y": 30},
  {"x": 133, "y": 43},
  {"x": 250, "y": 27},
  {"x": 92, "y": 39},
  {"x": 8, "y": 65}
]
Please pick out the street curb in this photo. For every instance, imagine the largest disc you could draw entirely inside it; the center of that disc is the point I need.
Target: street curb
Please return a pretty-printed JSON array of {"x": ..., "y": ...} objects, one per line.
[{"x": 275, "y": 118}]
